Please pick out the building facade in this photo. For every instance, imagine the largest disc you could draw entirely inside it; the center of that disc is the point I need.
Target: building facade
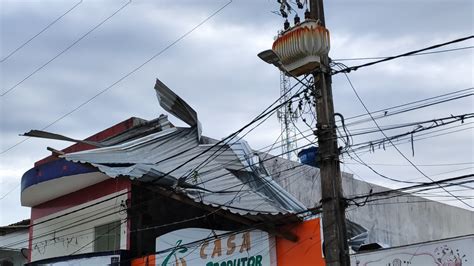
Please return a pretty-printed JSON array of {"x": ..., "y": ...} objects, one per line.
[
  {"x": 112, "y": 197},
  {"x": 395, "y": 221},
  {"x": 14, "y": 244},
  {"x": 146, "y": 192}
]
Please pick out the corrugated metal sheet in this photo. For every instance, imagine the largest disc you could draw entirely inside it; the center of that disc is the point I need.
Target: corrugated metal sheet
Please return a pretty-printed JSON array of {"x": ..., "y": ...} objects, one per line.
[
  {"x": 173, "y": 104},
  {"x": 229, "y": 180}
]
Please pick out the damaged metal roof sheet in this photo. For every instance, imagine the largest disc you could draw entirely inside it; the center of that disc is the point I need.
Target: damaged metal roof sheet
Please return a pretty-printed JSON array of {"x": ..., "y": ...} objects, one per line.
[
  {"x": 228, "y": 176},
  {"x": 173, "y": 104},
  {"x": 230, "y": 180}
]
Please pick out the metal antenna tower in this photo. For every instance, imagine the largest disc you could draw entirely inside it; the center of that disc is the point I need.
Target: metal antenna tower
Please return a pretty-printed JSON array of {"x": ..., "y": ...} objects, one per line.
[{"x": 287, "y": 119}]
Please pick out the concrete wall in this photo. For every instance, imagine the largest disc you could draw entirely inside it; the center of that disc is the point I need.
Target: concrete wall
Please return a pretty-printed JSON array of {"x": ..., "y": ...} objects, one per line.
[
  {"x": 453, "y": 251},
  {"x": 11, "y": 245},
  {"x": 396, "y": 221},
  {"x": 74, "y": 233}
]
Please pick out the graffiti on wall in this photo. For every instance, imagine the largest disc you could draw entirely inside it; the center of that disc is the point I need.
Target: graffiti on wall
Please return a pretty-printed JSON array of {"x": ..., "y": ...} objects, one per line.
[
  {"x": 455, "y": 252},
  {"x": 65, "y": 242}
]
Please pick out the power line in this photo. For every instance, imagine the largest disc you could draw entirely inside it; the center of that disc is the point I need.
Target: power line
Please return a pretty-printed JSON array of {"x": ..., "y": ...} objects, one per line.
[
  {"x": 384, "y": 57},
  {"x": 385, "y": 112},
  {"x": 312, "y": 210},
  {"x": 262, "y": 115},
  {"x": 420, "y": 128},
  {"x": 390, "y": 141},
  {"x": 356, "y": 160},
  {"x": 10, "y": 191},
  {"x": 114, "y": 197},
  {"x": 376, "y": 172},
  {"x": 5, "y": 92},
  {"x": 422, "y": 187},
  {"x": 126, "y": 192},
  {"x": 100, "y": 212},
  {"x": 411, "y": 202},
  {"x": 288, "y": 169},
  {"x": 360, "y": 161},
  {"x": 404, "y": 195},
  {"x": 424, "y": 165},
  {"x": 354, "y": 68},
  {"x": 433, "y": 123},
  {"x": 385, "y": 194},
  {"x": 451, "y": 94},
  {"x": 123, "y": 77},
  {"x": 401, "y": 191},
  {"x": 380, "y": 143},
  {"x": 41, "y": 31},
  {"x": 382, "y": 175},
  {"x": 261, "y": 161},
  {"x": 308, "y": 212}
]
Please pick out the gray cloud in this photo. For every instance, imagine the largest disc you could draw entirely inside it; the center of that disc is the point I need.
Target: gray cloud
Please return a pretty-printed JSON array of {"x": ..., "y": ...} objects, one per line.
[{"x": 217, "y": 71}]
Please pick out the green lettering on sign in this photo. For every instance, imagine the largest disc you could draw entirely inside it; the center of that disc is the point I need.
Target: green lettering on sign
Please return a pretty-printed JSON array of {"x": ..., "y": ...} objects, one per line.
[
  {"x": 251, "y": 261},
  {"x": 177, "y": 248}
]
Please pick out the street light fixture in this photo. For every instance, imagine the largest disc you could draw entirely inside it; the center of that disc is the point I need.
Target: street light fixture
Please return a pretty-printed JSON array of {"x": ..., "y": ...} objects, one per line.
[{"x": 270, "y": 57}]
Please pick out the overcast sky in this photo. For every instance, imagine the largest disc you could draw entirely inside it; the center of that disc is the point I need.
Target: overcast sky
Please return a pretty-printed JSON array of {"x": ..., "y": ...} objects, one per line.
[{"x": 216, "y": 70}]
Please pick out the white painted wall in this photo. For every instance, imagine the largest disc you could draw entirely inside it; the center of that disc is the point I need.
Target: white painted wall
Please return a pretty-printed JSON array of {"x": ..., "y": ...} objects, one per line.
[
  {"x": 67, "y": 234},
  {"x": 455, "y": 252},
  {"x": 15, "y": 240},
  {"x": 392, "y": 221},
  {"x": 11, "y": 245}
]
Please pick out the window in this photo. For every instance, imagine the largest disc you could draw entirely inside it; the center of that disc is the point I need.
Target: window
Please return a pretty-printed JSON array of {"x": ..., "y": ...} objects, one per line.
[{"x": 107, "y": 237}]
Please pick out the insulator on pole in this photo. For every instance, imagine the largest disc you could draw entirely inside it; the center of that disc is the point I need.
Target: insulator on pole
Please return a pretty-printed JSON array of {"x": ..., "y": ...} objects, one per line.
[
  {"x": 297, "y": 19},
  {"x": 286, "y": 25}
]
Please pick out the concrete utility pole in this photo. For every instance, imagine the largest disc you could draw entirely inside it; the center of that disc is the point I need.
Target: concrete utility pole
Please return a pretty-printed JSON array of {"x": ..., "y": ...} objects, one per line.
[{"x": 334, "y": 221}]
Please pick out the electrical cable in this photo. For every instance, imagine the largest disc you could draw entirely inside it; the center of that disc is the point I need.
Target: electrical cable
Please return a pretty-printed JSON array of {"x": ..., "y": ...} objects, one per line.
[
  {"x": 5, "y": 92},
  {"x": 312, "y": 211},
  {"x": 384, "y": 57},
  {"x": 385, "y": 110},
  {"x": 422, "y": 186},
  {"x": 102, "y": 201},
  {"x": 424, "y": 165},
  {"x": 396, "y": 148},
  {"x": 386, "y": 114},
  {"x": 41, "y": 31},
  {"x": 10, "y": 191},
  {"x": 354, "y": 68},
  {"x": 226, "y": 140},
  {"x": 80, "y": 209},
  {"x": 377, "y": 144},
  {"x": 123, "y": 77}
]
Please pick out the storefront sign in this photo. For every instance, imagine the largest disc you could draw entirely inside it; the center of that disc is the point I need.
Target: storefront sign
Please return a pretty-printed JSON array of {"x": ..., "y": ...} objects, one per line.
[{"x": 197, "y": 246}]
